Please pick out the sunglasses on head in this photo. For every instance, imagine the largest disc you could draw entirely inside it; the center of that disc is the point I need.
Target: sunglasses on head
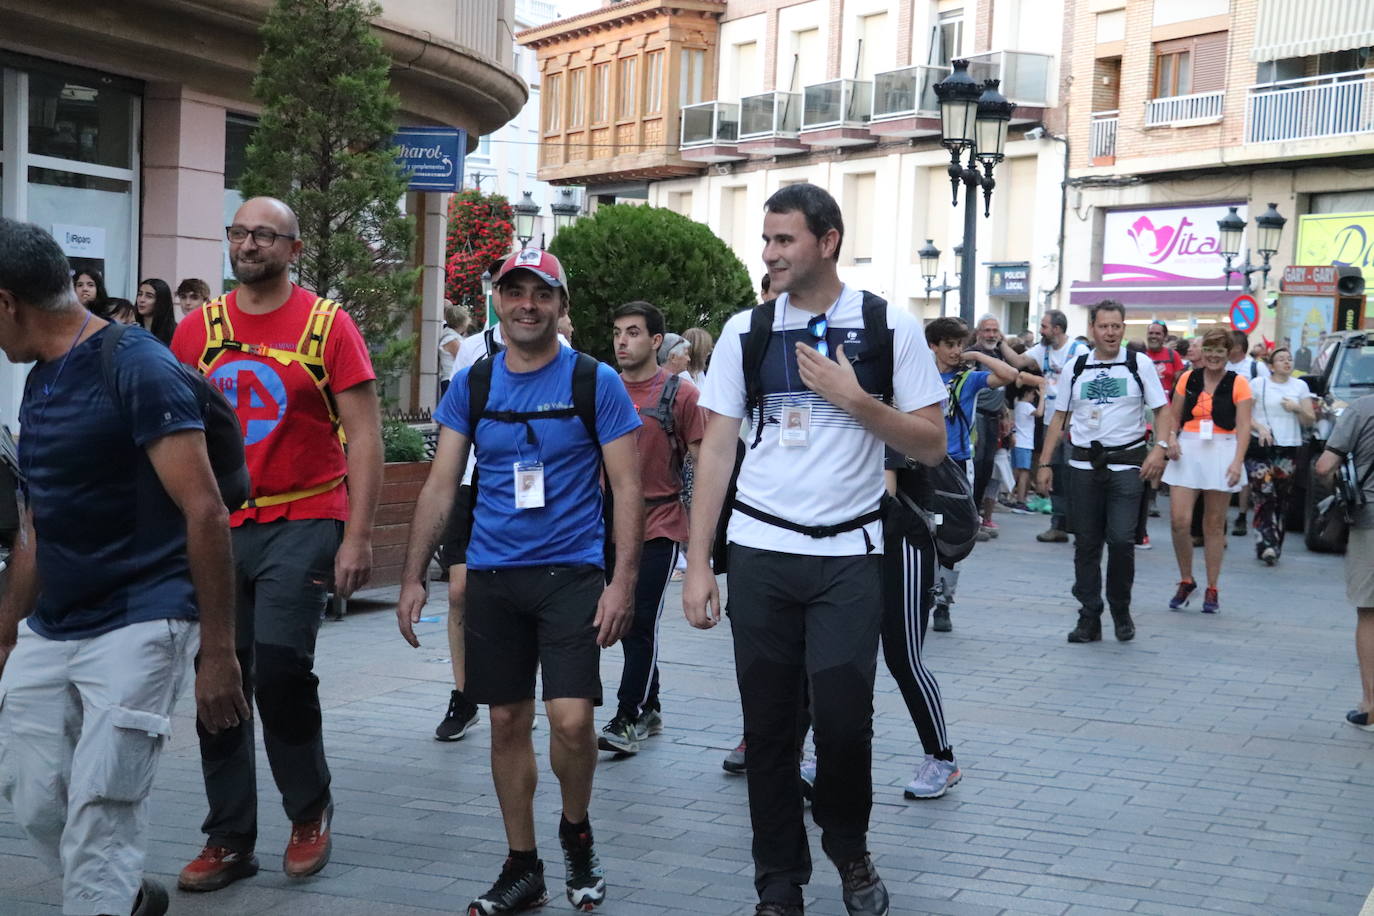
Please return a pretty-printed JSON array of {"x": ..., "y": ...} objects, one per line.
[{"x": 818, "y": 327}]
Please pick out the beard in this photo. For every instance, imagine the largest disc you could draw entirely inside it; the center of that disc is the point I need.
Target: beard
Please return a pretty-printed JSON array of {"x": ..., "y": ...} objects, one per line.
[{"x": 250, "y": 272}]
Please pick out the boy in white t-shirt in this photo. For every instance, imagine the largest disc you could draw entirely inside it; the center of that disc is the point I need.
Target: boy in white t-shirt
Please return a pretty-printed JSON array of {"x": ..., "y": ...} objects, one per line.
[{"x": 1100, "y": 399}]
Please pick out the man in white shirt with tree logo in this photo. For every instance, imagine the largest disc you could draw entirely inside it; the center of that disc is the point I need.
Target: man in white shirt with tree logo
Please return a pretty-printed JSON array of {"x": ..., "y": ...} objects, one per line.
[{"x": 1102, "y": 398}]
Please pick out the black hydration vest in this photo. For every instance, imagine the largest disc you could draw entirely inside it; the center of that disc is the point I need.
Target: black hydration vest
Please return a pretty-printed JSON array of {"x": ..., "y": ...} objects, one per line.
[{"x": 1223, "y": 405}]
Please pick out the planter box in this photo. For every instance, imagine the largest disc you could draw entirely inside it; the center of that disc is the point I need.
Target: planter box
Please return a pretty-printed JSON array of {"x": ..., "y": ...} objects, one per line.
[{"x": 401, "y": 483}]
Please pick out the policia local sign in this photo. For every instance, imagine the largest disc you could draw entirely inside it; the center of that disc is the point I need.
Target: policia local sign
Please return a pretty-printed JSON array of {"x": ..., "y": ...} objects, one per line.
[{"x": 432, "y": 157}]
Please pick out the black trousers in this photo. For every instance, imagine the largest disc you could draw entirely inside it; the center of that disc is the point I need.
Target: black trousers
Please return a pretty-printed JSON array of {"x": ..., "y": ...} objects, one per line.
[
  {"x": 1105, "y": 506},
  {"x": 639, "y": 678},
  {"x": 908, "y": 576},
  {"x": 796, "y": 619},
  {"x": 283, "y": 570}
]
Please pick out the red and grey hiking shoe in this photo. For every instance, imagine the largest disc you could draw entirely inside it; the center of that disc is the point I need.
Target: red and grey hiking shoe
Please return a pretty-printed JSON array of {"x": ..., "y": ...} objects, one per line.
[
  {"x": 308, "y": 850},
  {"x": 216, "y": 867}
]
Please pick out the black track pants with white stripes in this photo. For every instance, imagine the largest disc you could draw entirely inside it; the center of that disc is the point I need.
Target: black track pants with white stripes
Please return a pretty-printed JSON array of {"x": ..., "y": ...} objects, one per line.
[{"x": 908, "y": 574}]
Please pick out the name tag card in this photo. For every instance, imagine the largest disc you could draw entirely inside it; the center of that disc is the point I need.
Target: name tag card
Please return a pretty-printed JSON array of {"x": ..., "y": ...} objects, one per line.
[
  {"x": 529, "y": 485},
  {"x": 795, "y": 430}
]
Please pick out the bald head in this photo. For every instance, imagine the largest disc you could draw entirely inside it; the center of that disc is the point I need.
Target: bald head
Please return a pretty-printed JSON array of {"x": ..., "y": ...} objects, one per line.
[{"x": 269, "y": 212}]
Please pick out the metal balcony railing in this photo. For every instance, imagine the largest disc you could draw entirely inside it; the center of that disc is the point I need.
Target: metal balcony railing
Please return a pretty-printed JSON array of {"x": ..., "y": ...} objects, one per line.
[
  {"x": 771, "y": 114},
  {"x": 1318, "y": 106},
  {"x": 837, "y": 103},
  {"x": 1102, "y": 140},
  {"x": 905, "y": 92},
  {"x": 1025, "y": 75},
  {"x": 710, "y": 124},
  {"x": 1180, "y": 109}
]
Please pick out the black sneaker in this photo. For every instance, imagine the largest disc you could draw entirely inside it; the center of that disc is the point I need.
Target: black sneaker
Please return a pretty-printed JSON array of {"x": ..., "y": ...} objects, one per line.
[
  {"x": 779, "y": 909},
  {"x": 1238, "y": 529},
  {"x": 586, "y": 881},
  {"x": 461, "y": 715},
  {"x": 152, "y": 899},
  {"x": 520, "y": 888},
  {"x": 621, "y": 735},
  {"x": 1089, "y": 629},
  {"x": 864, "y": 893}
]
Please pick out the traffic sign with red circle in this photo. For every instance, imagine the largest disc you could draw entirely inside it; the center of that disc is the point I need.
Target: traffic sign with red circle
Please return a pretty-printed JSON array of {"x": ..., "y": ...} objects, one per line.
[{"x": 1245, "y": 314}]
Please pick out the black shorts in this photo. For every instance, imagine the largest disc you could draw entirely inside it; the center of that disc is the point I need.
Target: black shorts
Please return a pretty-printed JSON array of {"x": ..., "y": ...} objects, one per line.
[
  {"x": 530, "y": 619},
  {"x": 453, "y": 544}
]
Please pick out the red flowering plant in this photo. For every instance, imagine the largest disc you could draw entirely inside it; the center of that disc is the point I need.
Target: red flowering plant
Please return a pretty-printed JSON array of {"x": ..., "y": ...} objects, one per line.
[{"x": 480, "y": 232}]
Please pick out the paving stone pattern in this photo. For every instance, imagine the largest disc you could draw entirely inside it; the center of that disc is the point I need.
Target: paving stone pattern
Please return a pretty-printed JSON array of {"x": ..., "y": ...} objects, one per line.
[{"x": 1203, "y": 768}]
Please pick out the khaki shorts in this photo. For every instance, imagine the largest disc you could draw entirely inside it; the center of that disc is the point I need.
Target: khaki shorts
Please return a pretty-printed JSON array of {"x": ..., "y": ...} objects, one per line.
[{"x": 1359, "y": 567}]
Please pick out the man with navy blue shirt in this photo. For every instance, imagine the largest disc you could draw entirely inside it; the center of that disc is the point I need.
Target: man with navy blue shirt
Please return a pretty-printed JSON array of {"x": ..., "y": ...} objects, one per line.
[
  {"x": 537, "y": 595},
  {"x": 123, "y": 570}
]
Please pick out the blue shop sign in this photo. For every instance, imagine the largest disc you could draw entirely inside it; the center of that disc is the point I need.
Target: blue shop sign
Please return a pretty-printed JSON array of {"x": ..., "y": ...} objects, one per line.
[
  {"x": 1012, "y": 280},
  {"x": 432, "y": 157}
]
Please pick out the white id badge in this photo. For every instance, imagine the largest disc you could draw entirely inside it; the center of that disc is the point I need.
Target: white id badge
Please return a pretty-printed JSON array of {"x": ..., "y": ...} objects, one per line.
[
  {"x": 795, "y": 429},
  {"x": 1093, "y": 419},
  {"x": 529, "y": 485},
  {"x": 1204, "y": 429}
]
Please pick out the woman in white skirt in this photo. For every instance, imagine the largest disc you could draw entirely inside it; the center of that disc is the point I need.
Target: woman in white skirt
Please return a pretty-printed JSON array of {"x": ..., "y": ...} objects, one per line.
[{"x": 1211, "y": 408}]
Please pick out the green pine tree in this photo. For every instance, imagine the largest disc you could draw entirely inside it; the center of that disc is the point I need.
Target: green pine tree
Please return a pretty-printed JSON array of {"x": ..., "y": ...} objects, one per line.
[
  {"x": 324, "y": 145},
  {"x": 627, "y": 252},
  {"x": 1100, "y": 390}
]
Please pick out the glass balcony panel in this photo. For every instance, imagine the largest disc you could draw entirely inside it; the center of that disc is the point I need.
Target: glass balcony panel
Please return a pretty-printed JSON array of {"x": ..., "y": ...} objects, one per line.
[
  {"x": 837, "y": 103},
  {"x": 710, "y": 123},
  {"x": 1025, "y": 75},
  {"x": 770, "y": 114}
]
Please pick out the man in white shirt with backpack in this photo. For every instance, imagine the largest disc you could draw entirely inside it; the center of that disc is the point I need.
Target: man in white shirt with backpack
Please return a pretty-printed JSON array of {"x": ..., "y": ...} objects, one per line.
[
  {"x": 805, "y": 534},
  {"x": 1102, "y": 398}
]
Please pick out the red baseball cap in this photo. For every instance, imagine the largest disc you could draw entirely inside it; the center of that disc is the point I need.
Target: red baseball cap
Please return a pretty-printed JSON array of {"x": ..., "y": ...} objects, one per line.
[{"x": 538, "y": 262}]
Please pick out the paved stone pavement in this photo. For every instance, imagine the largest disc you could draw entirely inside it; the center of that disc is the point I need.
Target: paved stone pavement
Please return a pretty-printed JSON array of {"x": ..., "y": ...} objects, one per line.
[{"x": 1204, "y": 767}]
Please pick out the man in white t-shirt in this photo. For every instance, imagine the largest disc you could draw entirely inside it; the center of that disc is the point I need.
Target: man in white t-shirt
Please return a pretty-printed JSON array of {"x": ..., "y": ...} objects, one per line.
[
  {"x": 1100, "y": 399},
  {"x": 1055, "y": 349},
  {"x": 805, "y": 538}
]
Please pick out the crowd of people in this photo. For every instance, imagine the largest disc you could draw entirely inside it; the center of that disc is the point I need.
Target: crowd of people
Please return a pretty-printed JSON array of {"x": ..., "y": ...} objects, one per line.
[{"x": 793, "y": 455}]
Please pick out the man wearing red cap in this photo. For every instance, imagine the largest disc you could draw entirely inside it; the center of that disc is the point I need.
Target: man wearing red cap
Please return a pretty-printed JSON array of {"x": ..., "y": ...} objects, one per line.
[{"x": 544, "y": 421}]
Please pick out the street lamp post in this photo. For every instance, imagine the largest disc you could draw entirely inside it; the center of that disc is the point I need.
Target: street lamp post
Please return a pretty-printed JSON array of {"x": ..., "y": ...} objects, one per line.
[
  {"x": 526, "y": 211},
  {"x": 929, "y": 256},
  {"x": 973, "y": 117},
  {"x": 564, "y": 211},
  {"x": 1269, "y": 228},
  {"x": 486, "y": 297}
]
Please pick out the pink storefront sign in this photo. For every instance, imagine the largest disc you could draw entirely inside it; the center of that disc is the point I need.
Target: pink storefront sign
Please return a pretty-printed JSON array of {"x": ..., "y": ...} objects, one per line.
[{"x": 1178, "y": 244}]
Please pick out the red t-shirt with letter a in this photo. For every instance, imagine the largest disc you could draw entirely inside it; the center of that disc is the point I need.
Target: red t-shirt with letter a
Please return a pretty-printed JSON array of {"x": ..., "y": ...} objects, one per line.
[{"x": 289, "y": 440}]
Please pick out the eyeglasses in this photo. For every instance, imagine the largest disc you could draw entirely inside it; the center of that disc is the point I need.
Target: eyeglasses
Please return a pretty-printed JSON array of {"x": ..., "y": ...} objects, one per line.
[
  {"x": 818, "y": 327},
  {"x": 265, "y": 238},
  {"x": 1214, "y": 351}
]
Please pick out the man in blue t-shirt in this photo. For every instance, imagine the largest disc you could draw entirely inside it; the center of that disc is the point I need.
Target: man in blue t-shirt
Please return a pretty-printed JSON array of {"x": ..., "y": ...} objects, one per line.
[
  {"x": 949, "y": 340},
  {"x": 538, "y": 599},
  {"x": 123, "y": 570}
]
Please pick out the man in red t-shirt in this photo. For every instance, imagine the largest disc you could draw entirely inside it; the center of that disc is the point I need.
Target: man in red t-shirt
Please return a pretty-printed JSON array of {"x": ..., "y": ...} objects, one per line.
[
  {"x": 638, "y": 332},
  {"x": 1167, "y": 362},
  {"x": 307, "y": 525}
]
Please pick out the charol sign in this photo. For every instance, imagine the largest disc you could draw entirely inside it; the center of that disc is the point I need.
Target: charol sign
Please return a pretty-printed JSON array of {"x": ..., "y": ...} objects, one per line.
[
  {"x": 431, "y": 157},
  {"x": 1166, "y": 243}
]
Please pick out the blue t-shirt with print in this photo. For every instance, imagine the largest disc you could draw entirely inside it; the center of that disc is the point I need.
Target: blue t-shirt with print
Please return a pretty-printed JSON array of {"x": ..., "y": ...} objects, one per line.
[
  {"x": 959, "y": 420},
  {"x": 568, "y": 530},
  {"x": 111, "y": 544}
]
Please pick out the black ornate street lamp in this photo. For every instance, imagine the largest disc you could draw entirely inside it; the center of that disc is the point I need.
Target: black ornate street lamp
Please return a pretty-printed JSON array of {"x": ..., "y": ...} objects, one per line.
[
  {"x": 526, "y": 211},
  {"x": 929, "y": 257},
  {"x": 1269, "y": 229},
  {"x": 973, "y": 118},
  {"x": 564, "y": 211}
]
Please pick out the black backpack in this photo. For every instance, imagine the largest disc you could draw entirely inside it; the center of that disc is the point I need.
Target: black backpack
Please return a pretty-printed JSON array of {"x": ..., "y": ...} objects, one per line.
[
  {"x": 934, "y": 490},
  {"x": 223, "y": 434},
  {"x": 663, "y": 413}
]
